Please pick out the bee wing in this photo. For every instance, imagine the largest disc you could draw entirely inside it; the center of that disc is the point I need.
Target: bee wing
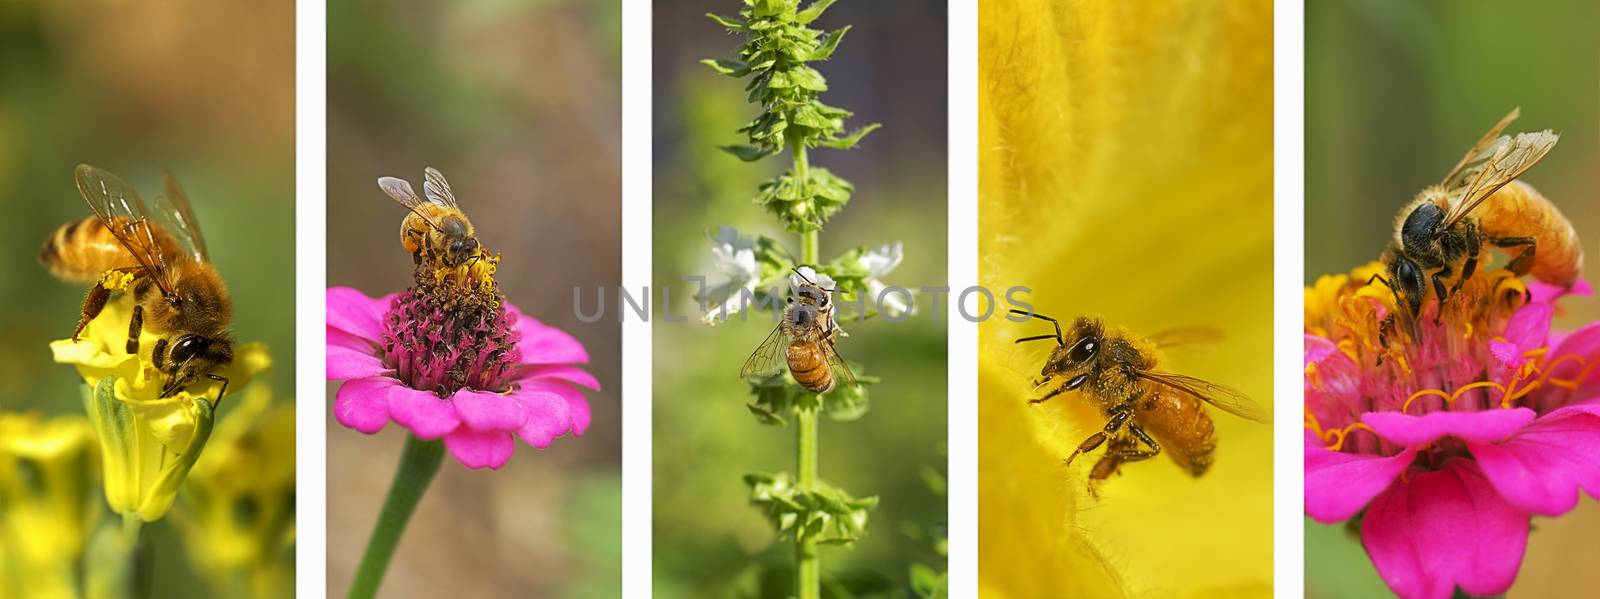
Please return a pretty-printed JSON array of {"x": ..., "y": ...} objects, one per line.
[
  {"x": 1226, "y": 398},
  {"x": 766, "y": 360},
  {"x": 1483, "y": 143},
  {"x": 173, "y": 213},
  {"x": 1493, "y": 164},
  {"x": 123, "y": 212},
  {"x": 437, "y": 188},
  {"x": 400, "y": 190},
  {"x": 842, "y": 375},
  {"x": 1186, "y": 336}
]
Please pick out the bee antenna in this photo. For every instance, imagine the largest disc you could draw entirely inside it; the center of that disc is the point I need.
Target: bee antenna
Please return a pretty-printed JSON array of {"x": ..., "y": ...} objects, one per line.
[
  {"x": 802, "y": 275},
  {"x": 1057, "y": 336}
]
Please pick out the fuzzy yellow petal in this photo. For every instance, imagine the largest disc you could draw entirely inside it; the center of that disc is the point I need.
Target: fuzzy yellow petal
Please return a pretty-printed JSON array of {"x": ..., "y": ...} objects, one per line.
[{"x": 1125, "y": 172}]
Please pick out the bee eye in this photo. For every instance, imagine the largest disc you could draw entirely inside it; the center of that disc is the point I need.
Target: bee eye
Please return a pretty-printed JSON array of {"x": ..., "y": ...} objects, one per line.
[
  {"x": 1084, "y": 350},
  {"x": 186, "y": 348}
]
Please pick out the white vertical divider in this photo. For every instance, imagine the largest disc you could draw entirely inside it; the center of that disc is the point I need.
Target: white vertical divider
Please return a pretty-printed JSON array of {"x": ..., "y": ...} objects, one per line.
[
  {"x": 310, "y": 268},
  {"x": 1288, "y": 277},
  {"x": 636, "y": 268},
  {"x": 963, "y": 272}
]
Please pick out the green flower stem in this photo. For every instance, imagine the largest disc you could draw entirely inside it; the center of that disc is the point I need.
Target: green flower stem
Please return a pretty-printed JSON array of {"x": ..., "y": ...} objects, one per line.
[
  {"x": 808, "y": 567},
  {"x": 417, "y": 466}
]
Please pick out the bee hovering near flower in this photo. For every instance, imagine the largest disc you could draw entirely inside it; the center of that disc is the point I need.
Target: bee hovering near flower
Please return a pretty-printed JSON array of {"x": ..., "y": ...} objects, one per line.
[
  {"x": 158, "y": 256},
  {"x": 1449, "y": 228},
  {"x": 1145, "y": 408}
]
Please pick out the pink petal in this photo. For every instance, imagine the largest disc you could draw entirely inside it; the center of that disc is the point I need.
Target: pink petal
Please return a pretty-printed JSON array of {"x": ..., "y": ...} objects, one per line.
[
  {"x": 1584, "y": 343},
  {"x": 482, "y": 411},
  {"x": 1339, "y": 484},
  {"x": 571, "y": 374},
  {"x": 347, "y": 364},
  {"x": 548, "y": 413},
  {"x": 351, "y": 341},
  {"x": 1546, "y": 293},
  {"x": 428, "y": 416},
  {"x": 1445, "y": 529},
  {"x": 1529, "y": 327},
  {"x": 547, "y": 345},
  {"x": 363, "y": 403},
  {"x": 1506, "y": 353},
  {"x": 1318, "y": 349},
  {"x": 480, "y": 449},
  {"x": 1541, "y": 468},
  {"x": 353, "y": 312},
  {"x": 1485, "y": 426}
]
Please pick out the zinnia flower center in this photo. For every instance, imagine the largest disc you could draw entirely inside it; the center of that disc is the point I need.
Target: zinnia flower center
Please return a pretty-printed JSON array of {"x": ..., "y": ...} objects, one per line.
[
  {"x": 1461, "y": 361},
  {"x": 451, "y": 331}
]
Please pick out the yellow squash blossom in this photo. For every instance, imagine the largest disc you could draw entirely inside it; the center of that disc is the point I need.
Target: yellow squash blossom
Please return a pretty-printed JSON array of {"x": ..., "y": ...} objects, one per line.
[
  {"x": 1125, "y": 173},
  {"x": 238, "y": 516},
  {"x": 47, "y": 507},
  {"x": 147, "y": 442}
]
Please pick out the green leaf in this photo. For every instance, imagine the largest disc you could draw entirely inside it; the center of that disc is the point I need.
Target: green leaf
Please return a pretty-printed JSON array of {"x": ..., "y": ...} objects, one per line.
[
  {"x": 730, "y": 68},
  {"x": 829, "y": 43},
  {"x": 730, "y": 24},
  {"x": 747, "y": 153},
  {"x": 812, "y": 12},
  {"x": 848, "y": 141},
  {"x": 827, "y": 515},
  {"x": 929, "y": 584}
]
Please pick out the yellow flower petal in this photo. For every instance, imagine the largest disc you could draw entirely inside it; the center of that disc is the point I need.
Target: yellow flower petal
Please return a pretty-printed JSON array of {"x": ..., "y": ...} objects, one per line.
[{"x": 1126, "y": 172}]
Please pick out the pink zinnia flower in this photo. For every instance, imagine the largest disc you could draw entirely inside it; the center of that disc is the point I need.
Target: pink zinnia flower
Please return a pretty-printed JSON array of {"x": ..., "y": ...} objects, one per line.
[
  {"x": 476, "y": 376},
  {"x": 1451, "y": 441}
]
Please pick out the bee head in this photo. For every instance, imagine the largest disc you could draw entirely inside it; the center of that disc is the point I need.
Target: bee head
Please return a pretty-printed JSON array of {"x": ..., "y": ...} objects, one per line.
[
  {"x": 812, "y": 295},
  {"x": 1420, "y": 232},
  {"x": 194, "y": 356},
  {"x": 1076, "y": 353}
]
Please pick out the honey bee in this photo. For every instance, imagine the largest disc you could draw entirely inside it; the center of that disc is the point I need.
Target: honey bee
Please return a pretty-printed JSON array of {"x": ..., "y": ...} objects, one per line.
[
  {"x": 160, "y": 257},
  {"x": 1146, "y": 409},
  {"x": 436, "y": 231},
  {"x": 1480, "y": 205},
  {"x": 806, "y": 335}
]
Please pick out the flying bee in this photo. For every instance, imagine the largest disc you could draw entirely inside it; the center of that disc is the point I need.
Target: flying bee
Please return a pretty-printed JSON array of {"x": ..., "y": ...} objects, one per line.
[
  {"x": 160, "y": 258},
  {"x": 1480, "y": 205},
  {"x": 806, "y": 336},
  {"x": 436, "y": 230},
  {"x": 1146, "y": 409}
]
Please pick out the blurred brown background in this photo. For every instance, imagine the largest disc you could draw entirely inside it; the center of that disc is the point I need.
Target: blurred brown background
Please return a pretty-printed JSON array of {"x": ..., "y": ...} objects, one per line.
[{"x": 516, "y": 102}]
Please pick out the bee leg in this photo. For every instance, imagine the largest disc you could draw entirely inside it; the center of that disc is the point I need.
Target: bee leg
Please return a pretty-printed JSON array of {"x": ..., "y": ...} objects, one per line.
[
  {"x": 1057, "y": 391},
  {"x": 92, "y": 305},
  {"x": 1467, "y": 270},
  {"x": 1119, "y": 417},
  {"x": 135, "y": 325},
  {"x": 1440, "y": 291},
  {"x": 224, "y": 380},
  {"x": 1523, "y": 262}
]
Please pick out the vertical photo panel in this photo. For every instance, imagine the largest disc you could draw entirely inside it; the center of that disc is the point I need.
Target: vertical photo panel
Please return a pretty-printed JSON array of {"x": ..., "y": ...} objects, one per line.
[
  {"x": 147, "y": 353},
  {"x": 473, "y": 171},
  {"x": 1125, "y": 366},
  {"x": 799, "y": 325},
  {"x": 1452, "y": 430}
]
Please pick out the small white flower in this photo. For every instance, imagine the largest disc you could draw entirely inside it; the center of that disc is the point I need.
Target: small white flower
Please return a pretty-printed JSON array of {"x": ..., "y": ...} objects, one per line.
[
  {"x": 878, "y": 263},
  {"x": 735, "y": 256},
  {"x": 809, "y": 276}
]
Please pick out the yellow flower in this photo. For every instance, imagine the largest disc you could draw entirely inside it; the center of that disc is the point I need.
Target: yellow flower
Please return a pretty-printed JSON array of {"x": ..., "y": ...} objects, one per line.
[
  {"x": 47, "y": 470},
  {"x": 1125, "y": 172},
  {"x": 239, "y": 504},
  {"x": 147, "y": 442}
]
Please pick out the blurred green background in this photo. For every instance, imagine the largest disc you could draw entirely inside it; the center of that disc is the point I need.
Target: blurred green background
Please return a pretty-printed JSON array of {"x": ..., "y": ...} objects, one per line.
[
  {"x": 517, "y": 103},
  {"x": 1396, "y": 92},
  {"x": 709, "y": 542},
  {"x": 135, "y": 88}
]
